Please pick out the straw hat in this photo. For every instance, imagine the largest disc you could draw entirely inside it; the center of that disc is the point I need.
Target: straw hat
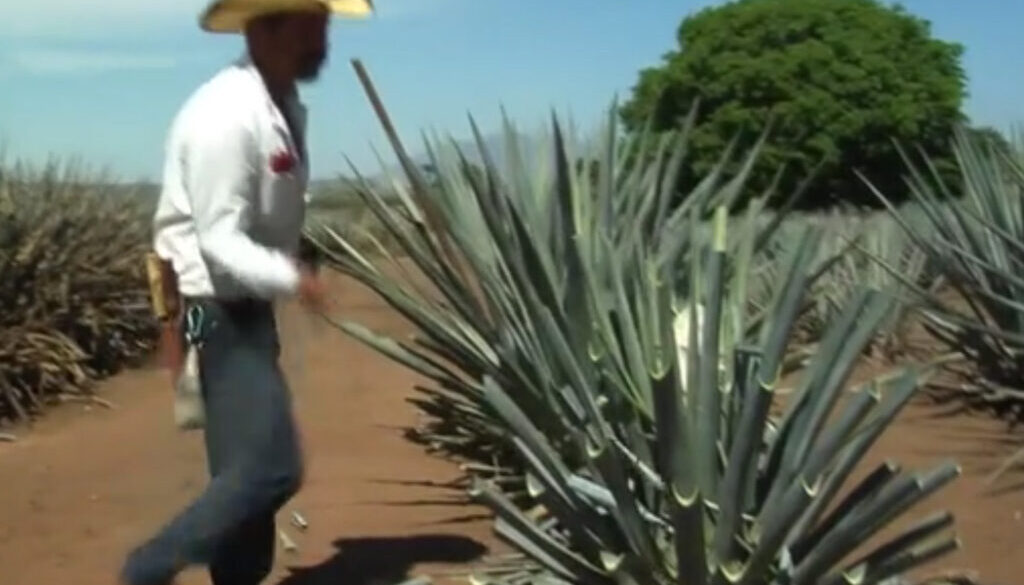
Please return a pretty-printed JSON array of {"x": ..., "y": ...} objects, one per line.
[{"x": 230, "y": 16}]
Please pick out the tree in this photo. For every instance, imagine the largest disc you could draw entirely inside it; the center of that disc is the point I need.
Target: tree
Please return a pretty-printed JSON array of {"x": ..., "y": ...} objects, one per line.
[{"x": 840, "y": 81}]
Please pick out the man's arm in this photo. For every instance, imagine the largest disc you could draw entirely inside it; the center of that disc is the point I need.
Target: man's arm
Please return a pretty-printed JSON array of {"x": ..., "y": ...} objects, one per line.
[{"x": 223, "y": 183}]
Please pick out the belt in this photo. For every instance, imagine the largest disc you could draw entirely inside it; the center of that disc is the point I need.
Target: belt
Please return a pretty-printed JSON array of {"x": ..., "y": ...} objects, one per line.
[{"x": 232, "y": 304}]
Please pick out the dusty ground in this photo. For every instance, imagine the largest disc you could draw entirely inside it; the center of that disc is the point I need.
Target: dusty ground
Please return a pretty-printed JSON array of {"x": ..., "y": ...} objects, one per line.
[{"x": 78, "y": 490}]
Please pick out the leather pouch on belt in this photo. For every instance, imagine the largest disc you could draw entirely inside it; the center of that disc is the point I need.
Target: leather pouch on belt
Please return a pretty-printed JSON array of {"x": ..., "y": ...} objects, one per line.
[
  {"x": 179, "y": 351},
  {"x": 163, "y": 293}
]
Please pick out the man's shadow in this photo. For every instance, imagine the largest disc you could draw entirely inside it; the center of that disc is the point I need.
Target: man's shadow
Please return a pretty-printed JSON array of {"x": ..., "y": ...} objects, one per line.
[{"x": 386, "y": 560}]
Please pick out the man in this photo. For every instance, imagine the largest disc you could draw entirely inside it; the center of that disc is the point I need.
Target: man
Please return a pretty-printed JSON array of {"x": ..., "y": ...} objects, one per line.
[{"x": 229, "y": 221}]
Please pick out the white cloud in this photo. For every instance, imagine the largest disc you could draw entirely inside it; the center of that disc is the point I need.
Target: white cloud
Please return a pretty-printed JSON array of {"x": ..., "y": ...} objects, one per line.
[{"x": 61, "y": 61}]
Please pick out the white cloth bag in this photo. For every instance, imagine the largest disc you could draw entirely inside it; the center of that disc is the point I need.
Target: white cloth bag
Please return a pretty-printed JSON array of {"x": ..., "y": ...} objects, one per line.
[{"x": 189, "y": 408}]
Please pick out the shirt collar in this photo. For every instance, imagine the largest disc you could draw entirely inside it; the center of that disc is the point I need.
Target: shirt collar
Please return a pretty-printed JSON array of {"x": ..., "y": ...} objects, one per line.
[{"x": 292, "y": 100}]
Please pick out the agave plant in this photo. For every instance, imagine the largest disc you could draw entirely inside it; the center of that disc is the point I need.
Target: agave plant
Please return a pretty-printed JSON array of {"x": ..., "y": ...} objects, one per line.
[
  {"x": 974, "y": 239},
  {"x": 516, "y": 268},
  {"x": 717, "y": 491},
  {"x": 547, "y": 309}
]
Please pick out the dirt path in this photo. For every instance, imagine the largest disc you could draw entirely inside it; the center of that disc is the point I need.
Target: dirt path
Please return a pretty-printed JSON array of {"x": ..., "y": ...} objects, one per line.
[{"x": 81, "y": 488}]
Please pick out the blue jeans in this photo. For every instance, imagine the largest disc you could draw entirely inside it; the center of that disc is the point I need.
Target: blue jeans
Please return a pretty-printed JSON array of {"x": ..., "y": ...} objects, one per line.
[{"x": 252, "y": 451}]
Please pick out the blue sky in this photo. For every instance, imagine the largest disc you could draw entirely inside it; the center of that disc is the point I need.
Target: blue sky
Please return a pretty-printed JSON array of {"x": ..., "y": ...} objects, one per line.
[{"x": 102, "y": 79}]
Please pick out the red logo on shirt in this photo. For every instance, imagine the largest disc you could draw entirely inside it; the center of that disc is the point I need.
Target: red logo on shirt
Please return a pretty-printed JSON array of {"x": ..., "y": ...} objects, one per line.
[{"x": 282, "y": 162}]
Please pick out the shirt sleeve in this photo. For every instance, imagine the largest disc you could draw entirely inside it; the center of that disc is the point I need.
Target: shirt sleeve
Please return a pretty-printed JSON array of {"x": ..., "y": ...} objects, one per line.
[{"x": 222, "y": 166}]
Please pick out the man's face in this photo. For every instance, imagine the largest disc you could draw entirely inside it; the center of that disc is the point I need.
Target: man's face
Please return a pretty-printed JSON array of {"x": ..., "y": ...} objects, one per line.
[{"x": 302, "y": 42}]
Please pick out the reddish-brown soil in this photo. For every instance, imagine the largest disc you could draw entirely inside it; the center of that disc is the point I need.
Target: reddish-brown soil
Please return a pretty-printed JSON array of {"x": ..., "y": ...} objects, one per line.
[{"x": 87, "y": 483}]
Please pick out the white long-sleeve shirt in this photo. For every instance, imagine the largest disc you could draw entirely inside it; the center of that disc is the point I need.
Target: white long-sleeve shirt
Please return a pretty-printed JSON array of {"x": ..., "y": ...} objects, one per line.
[{"x": 230, "y": 212}]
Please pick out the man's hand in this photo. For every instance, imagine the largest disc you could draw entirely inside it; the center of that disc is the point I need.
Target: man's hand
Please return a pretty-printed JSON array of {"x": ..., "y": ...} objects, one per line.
[{"x": 312, "y": 291}]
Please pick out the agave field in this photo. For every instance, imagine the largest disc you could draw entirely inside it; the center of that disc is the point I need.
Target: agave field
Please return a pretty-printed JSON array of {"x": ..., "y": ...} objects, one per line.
[
  {"x": 644, "y": 385},
  {"x": 648, "y": 386},
  {"x": 72, "y": 285}
]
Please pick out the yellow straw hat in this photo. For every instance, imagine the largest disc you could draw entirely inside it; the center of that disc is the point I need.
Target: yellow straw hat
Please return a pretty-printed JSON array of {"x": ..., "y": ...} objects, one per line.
[{"x": 230, "y": 16}]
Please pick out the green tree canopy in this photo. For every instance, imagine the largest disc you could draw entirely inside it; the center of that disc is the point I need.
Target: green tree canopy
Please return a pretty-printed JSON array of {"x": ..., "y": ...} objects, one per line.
[{"x": 840, "y": 80}]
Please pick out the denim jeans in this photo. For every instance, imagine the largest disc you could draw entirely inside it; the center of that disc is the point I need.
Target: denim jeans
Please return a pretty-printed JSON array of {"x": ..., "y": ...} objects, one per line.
[{"x": 253, "y": 456}]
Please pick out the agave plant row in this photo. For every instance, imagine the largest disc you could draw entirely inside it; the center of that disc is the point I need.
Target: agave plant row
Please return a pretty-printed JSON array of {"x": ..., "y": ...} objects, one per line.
[
  {"x": 72, "y": 285},
  {"x": 972, "y": 233},
  {"x": 593, "y": 339}
]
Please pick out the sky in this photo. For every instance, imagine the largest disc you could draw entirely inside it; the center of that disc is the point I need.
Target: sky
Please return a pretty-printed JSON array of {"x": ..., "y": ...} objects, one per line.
[{"x": 101, "y": 80}]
